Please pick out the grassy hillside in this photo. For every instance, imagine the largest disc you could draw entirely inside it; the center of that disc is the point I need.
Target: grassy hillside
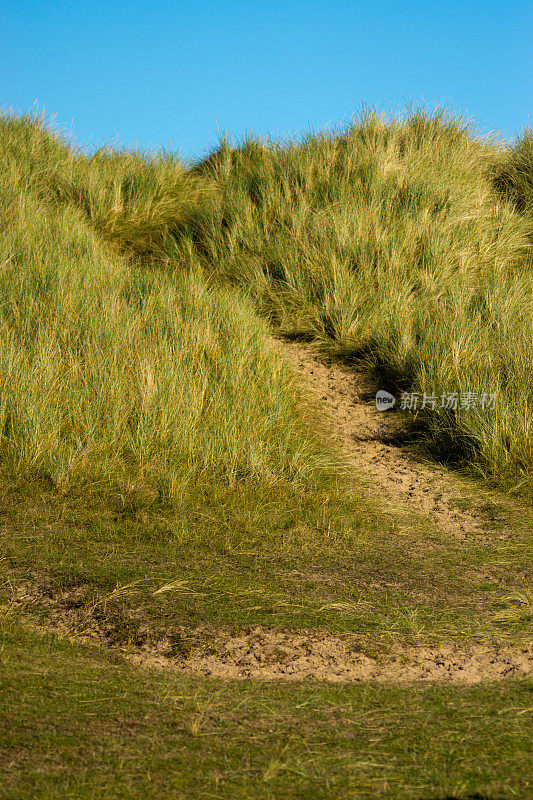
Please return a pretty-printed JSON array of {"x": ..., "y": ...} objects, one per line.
[
  {"x": 388, "y": 243},
  {"x": 404, "y": 244},
  {"x": 165, "y": 487},
  {"x": 121, "y": 378}
]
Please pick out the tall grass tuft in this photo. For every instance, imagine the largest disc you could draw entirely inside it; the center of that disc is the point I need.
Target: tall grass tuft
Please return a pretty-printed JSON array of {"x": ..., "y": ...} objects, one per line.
[
  {"x": 513, "y": 173},
  {"x": 143, "y": 382},
  {"x": 141, "y": 204}
]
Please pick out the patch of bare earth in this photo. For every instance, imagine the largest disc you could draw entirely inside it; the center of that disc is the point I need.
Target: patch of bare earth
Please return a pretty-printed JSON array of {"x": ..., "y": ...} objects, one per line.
[
  {"x": 265, "y": 654},
  {"x": 372, "y": 441},
  {"x": 271, "y": 655}
]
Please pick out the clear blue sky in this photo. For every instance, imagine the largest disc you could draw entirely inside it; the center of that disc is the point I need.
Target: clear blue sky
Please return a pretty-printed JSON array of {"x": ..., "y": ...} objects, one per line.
[{"x": 160, "y": 73}]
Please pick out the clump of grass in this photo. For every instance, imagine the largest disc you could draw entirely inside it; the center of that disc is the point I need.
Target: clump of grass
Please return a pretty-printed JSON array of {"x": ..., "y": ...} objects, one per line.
[
  {"x": 513, "y": 173},
  {"x": 145, "y": 381},
  {"x": 143, "y": 205},
  {"x": 387, "y": 242}
]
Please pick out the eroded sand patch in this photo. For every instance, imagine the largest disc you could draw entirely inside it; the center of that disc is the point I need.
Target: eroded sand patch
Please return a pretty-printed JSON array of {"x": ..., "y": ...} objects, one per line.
[
  {"x": 269, "y": 654},
  {"x": 272, "y": 655},
  {"x": 371, "y": 440}
]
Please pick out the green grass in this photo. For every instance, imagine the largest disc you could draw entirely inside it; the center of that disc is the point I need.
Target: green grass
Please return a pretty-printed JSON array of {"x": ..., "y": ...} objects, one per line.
[
  {"x": 387, "y": 243},
  {"x": 287, "y": 559},
  {"x": 395, "y": 242},
  {"x": 131, "y": 380},
  {"x": 513, "y": 173},
  {"x": 77, "y": 724},
  {"x": 140, "y": 204},
  {"x": 150, "y": 434}
]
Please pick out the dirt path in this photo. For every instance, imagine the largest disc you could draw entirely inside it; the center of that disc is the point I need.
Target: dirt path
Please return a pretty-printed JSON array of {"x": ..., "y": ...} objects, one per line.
[{"x": 372, "y": 441}]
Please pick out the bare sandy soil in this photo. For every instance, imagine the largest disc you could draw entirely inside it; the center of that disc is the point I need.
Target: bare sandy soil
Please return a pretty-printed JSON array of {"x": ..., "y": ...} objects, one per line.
[
  {"x": 374, "y": 442},
  {"x": 265, "y": 654},
  {"x": 270, "y": 655}
]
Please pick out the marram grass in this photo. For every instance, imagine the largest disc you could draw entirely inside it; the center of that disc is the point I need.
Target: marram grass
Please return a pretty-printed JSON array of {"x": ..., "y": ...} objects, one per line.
[
  {"x": 131, "y": 350},
  {"x": 139, "y": 380},
  {"x": 390, "y": 242}
]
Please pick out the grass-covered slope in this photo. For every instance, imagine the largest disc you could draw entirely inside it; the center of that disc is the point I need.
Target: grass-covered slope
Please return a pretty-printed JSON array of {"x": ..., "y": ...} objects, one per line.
[
  {"x": 389, "y": 242},
  {"x": 117, "y": 377},
  {"x": 403, "y": 243}
]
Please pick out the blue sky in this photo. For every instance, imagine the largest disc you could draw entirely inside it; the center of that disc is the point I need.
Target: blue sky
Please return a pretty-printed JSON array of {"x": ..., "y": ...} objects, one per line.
[{"x": 172, "y": 74}]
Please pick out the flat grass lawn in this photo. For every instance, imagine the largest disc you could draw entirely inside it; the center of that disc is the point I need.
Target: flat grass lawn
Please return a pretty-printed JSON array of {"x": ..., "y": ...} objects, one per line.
[{"x": 76, "y": 723}]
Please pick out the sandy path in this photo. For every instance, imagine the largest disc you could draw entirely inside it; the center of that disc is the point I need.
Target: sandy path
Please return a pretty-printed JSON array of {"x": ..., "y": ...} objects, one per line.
[{"x": 372, "y": 442}]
